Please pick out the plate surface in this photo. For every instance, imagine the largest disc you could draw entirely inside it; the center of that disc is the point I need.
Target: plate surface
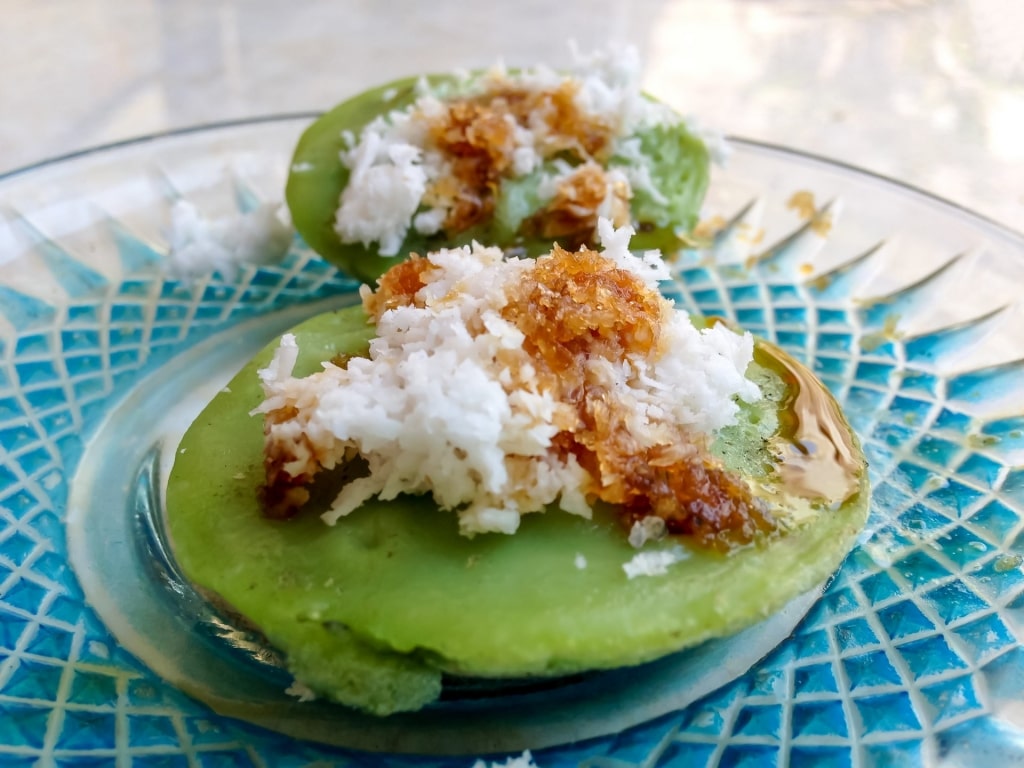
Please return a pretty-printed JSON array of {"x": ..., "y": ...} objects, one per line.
[{"x": 901, "y": 303}]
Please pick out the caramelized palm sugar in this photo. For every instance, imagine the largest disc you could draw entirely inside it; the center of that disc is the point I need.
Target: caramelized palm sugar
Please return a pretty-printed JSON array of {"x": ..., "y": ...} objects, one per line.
[
  {"x": 397, "y": 287},
  {"x": 571, "y": 216},
  {"x": 577, "y": 308}
]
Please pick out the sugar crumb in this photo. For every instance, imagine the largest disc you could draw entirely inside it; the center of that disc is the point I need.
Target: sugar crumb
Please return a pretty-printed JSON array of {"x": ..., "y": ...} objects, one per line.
[{"x": 803, "y": 203}]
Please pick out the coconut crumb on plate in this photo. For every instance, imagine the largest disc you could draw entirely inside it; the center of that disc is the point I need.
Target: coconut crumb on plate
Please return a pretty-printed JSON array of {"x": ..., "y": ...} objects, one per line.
[
  {"x": 199, "y": 245},
  {"x": 524, "y": 760}
]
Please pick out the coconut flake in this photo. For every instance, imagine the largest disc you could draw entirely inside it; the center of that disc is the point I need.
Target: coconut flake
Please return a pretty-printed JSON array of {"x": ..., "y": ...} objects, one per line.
[
  {"x": 199, "y": 245},
  {"x": 300, "y": 691},
  {"x": 653, "y": 563}
]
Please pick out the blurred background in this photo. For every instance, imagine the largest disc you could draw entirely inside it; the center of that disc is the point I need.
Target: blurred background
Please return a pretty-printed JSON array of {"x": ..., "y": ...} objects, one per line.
[{"x": 927, "y": 91}]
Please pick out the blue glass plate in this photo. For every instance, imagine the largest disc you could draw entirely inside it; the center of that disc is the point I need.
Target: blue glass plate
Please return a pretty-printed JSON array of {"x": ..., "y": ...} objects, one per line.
[{"x": 906, "y": 306}]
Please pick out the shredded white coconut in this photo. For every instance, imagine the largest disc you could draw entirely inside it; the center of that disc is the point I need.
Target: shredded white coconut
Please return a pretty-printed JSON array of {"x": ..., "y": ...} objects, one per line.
[
  {"x": 654, "y": 563},
  {"x": 524, "y": 760},
  {"x": 649, "y": 266},
  {"x": 384, "y": 190},
  {"x": 200, "y": 245},
  {"x": 432, "y": 410}
]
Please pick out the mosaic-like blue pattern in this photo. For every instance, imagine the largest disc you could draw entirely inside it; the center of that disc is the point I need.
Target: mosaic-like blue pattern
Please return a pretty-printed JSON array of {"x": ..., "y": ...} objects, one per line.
[{"x": 914, "y": 651}]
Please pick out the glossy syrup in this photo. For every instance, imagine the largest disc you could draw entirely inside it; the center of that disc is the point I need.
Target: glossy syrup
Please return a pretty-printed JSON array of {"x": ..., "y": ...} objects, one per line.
[{"x": 819, "y": 460}]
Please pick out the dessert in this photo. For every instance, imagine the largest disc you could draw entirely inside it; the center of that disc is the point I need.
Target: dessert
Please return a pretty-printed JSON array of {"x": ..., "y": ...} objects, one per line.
[
  {"x": 498, "y": 467},
  {"x": 513, "y": 158}
]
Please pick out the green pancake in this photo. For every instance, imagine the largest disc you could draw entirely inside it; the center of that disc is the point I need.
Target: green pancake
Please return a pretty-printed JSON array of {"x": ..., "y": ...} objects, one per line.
[
  {"x": 372, "y": 611},
  {"x": 679, "y": 169}
]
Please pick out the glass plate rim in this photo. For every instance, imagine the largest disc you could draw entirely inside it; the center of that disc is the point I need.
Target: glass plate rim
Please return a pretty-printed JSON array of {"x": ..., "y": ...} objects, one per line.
[{"x": 997, "y": 229}]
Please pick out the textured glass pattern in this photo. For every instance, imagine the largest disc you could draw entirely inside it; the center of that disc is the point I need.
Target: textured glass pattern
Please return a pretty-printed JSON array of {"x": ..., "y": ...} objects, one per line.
[{"x": 912, "y": 657}]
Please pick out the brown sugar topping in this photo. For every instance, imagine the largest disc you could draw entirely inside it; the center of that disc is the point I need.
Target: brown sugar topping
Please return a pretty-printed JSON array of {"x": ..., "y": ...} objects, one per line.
[
  {"x": 478, "y": 137},
  {"x": 578, "y": 307},
  {"x": 478, "y": 141}
]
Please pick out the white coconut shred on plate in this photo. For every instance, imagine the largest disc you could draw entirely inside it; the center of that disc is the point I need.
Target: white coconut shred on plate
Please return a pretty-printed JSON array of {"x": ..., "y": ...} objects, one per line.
[
  {"x": 200, "y": 245},
  {"x": 454, "y": 400},
  {"x": 404, "y": 174},
  {"x": 655, "y": 563}
]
